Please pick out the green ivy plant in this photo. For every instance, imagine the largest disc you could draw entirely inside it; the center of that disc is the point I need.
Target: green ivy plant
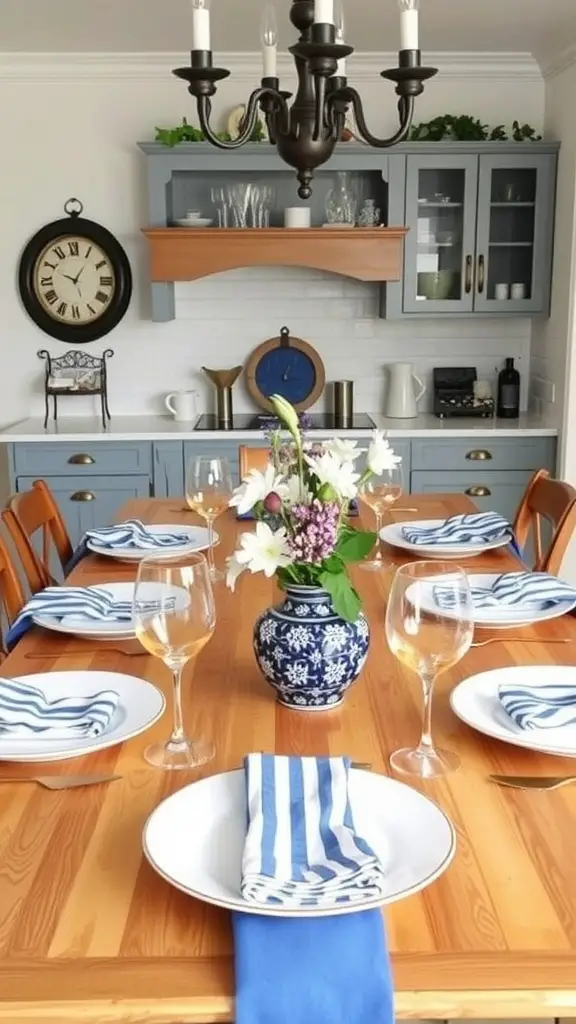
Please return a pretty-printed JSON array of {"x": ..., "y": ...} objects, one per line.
[
  {"x": 188, "y": 133},
  {"x": 465, "y": 128}
]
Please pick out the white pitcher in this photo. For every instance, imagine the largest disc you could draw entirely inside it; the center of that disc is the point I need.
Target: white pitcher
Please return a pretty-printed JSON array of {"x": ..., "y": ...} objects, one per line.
[
  {"x": 401, "y": 399},
  {"x": 182, "y": 405}
]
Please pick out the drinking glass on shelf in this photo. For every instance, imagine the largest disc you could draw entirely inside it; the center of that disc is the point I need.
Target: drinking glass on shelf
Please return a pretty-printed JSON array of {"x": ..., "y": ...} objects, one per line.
[
  {"x": 174, "y": 617},
  {"x": 208, "y": 491},
  {"x": 429, "y": 639},
  {"x": 380, "y": 493},
  {"x": 220, "y": 201}
]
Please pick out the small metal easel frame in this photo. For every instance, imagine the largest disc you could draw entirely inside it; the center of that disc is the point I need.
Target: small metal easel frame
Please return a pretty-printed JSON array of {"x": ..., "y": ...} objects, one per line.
[{"x": 87, "y": 372}]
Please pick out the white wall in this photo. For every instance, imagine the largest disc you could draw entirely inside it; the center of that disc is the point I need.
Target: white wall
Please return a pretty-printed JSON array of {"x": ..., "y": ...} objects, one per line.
[
  {"x": 70, "y": 126},
  {"x": 553, "y": 367}
]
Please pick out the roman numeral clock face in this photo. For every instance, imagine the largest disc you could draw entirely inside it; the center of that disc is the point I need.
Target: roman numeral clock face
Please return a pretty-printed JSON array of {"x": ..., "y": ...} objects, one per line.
[{"x": 74, "y": 280}]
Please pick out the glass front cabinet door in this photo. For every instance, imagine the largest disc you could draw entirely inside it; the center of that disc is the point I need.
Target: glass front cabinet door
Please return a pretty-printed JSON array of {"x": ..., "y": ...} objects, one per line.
[{"x": 514, "y": 233}]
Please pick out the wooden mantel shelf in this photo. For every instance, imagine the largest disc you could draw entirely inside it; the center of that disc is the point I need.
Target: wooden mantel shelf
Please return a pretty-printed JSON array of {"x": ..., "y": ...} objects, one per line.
[{"x": 185, "y": 254}]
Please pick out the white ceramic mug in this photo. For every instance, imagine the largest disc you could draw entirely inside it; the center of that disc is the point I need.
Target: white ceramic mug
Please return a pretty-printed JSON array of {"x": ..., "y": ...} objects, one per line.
[
  {"x": 518, "y": 291},
  {"x": 182, "y": 405},
  {"x": 501, "y": 291},
  {"x": 297, "y": 217}
]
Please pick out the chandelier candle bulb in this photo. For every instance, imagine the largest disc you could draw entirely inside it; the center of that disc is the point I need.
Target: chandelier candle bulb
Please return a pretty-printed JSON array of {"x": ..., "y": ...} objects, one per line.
[
  {"x": 323, "y": 12},
  {"x": 339, "y": 23},
  {"x": 200, "y": 25},
  {"x": 408, "y": 24},
  {"x": 269, "y": 38}
]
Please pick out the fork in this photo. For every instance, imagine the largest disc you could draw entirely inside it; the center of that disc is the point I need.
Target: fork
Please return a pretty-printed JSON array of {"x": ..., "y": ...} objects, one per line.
[
  {"x": 76, "y": 652},
  {"x": 535, "y": 782},
  {"x": 64, "y": 781},
  {"x": 521, "y": 640}
]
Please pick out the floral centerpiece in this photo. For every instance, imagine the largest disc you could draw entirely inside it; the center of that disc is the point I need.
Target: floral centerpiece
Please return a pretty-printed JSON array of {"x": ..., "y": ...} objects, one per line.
[{"x": 313, "y": 646}]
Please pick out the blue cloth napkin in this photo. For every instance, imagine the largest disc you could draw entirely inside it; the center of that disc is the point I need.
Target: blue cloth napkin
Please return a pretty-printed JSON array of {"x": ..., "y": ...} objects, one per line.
[
  {"x": 131, "y": 534},
  {"x": 534, "y": 590},
  {"x": 301, "y": 847},
  {"x": 539, "y": 707},
  {"x": 476, "y": 527},
  {"x": 95, "y": 604},
  {"x": 302, "y": 851},
  {"x": 25, "y": 711}
]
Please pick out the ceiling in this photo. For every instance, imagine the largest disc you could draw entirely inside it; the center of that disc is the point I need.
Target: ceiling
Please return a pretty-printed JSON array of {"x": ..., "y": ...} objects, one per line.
[{"x": 541, "y": 27}]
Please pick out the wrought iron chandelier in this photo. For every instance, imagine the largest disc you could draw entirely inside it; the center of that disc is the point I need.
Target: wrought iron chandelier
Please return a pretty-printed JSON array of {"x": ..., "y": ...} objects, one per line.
[{"x": 305, "y": 133}]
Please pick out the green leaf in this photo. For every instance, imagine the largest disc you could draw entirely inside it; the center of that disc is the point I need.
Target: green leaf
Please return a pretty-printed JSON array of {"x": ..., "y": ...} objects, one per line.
[
  {"x": 334, "y": 564},
  {"x": 345, "y": 600},
  {"x": 354, "y": 545}
]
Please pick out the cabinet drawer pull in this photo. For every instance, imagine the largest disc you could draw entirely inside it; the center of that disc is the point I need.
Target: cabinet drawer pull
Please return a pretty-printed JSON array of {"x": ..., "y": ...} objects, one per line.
[
  {"x": 81, "y": 459},
  {"x": 468, "y": 276},
  {"x": 478, "y": 492},
  {"x": 481, "y": 274},
  {"x": 479, "y": 455},
  {"x": 83, "y": 496}
]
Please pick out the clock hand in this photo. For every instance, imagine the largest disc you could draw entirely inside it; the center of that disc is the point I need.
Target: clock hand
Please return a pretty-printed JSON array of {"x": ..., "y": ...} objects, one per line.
[
  {"x": 68, "y": 278},
  {"x": 78, "y": 275}
]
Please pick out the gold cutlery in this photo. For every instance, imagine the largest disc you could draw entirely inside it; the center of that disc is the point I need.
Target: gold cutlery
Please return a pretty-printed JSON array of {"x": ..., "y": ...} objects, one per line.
[
  {"x": 521, "y": 640},
  {"x": 366, "y": 765},
  {"x": 76, "y": 652},
  {"x": 64, "y": 781},
  {"x": 543, "y": 782}
]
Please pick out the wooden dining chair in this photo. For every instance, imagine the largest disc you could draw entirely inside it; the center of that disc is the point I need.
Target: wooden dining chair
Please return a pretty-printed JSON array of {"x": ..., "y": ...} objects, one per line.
[
  {"x": 11, "y": 594},
  {"x": 252, "y": 458},
  {"x": 24, "y": 516},
  {"x": 552, "y": 502}
]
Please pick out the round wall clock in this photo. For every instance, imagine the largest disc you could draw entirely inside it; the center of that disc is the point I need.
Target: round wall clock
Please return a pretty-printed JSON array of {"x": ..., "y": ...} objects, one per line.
[
  {"x": 285, "y": 366},
  {"x": 74, "y": 278}
]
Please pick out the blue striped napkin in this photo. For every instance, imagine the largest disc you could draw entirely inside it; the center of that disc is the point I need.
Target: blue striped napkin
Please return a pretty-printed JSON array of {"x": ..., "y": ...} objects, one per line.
[
  {"x": 534, "y": 590},
  {"x": 301, "y": 847},
  {"x": 476, "y": 527},
  {"x": 307, "y": 970},
  {"x": 133, "y": 534},
  {"x": 539, "y": 707},
  {"x": 26, "y": 711},
  {"x": 94, "y": 604}
]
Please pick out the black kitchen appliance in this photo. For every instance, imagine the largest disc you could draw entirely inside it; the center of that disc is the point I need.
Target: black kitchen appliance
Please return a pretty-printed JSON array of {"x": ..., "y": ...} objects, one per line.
[
  {"x": 263, "y": 421},
  {"x": 454, "y": 393}
]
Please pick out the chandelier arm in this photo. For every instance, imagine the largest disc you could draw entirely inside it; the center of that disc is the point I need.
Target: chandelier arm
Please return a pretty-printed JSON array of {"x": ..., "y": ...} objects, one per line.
[
  {"x": 320, "y": 107},
  {"x": 248, "y": 121},
  {"x": 405, "y": 111}
]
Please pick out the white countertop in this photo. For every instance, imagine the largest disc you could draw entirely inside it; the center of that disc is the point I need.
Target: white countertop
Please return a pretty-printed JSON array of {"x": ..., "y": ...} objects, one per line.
[{"x": 163, "y": 428}]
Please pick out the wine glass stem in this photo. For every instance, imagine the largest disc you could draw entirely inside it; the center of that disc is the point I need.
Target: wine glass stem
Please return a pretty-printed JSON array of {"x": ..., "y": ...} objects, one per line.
[
  {"x": 378, "y": 555},
  {"x": 426, "y": 745},
  {"x": 178, "y": 736},
  {"x": 211, "y": 543}
]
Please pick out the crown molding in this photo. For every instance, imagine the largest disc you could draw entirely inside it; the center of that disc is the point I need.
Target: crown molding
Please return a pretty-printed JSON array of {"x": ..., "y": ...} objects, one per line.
[
  {"x": 560, "y": 62},
  {"x": 54, "y": 67}
]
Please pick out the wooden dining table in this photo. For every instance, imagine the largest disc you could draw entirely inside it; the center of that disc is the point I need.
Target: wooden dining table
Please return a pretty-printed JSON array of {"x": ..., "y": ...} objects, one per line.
[{"x": 90, "y": 933}]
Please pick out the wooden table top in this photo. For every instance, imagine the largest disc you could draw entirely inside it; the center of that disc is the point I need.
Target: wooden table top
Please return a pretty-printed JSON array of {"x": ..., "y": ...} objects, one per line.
[{"x": 88, "y": 931}]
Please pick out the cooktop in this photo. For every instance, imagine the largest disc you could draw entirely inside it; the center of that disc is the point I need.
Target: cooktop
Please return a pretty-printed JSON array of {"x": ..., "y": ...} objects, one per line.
[{"x": 263, "y": 421}]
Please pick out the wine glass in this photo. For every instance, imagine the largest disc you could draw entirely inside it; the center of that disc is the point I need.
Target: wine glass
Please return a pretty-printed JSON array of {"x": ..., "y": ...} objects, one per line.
[
  {"x": 174, "y": 617},
  {"x": 428, "y": 639},
  {"x": 208, "y": 491},
  {"x": 380, "y": 492}
]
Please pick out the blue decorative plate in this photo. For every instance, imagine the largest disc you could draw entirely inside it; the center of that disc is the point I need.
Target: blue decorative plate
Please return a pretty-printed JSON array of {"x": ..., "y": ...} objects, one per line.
[{"x": 285, "y": 366}]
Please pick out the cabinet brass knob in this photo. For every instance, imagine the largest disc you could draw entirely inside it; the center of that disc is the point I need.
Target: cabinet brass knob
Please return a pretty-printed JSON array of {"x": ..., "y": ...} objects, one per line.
[
  {"x": 81, "y": 459},
  {"x": 478, "y": 492},
  {"x": 478, "y": 455},
  {"x": 83, "y": 496}
]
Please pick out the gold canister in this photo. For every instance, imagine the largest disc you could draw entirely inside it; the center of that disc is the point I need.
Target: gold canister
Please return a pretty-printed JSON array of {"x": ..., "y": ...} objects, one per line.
[{"x": 343, "y": 403}]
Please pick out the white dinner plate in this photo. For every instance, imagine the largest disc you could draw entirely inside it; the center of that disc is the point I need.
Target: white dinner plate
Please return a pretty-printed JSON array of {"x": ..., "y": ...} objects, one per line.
[
  {"x": 195, "y": 838},
  {"x": 141, "y": 704},
  {"x": 92, "y": 629},
  {"x": 475, "y": 701},
  {"x": 392, "y": 534},
  {"x": 501, "y": 617},
  {"x": 194, "y": 538}
]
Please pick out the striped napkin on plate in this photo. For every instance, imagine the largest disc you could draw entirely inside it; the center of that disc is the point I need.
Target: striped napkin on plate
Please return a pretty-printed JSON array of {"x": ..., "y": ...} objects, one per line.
[
  {"x": 325, "y": 970},
  {"x": 534, "y": 590},
  {"x": 469, "y": 528},
  {"x": 539, "y": 707},
  {"x": 25, "y": 711},
  {"x": 301, "y": 847},
  {"x": 133, "y": 534}
]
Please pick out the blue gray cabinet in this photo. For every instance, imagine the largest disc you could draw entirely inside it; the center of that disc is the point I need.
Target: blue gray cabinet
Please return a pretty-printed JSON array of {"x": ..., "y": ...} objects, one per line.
[{"x": 168, "y": 469}]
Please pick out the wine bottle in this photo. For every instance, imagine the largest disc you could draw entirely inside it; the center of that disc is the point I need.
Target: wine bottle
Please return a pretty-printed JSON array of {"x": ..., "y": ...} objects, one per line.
[{"x": 508, "y": 406}]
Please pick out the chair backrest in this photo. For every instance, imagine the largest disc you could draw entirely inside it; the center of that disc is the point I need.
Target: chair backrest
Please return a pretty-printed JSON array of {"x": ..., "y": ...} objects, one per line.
[
  {"x": 11, "y": 593},
  {"x": 551, "y": 501},
  {"x": 25, "y": 515},
  {"x": 252, "y": 458}
]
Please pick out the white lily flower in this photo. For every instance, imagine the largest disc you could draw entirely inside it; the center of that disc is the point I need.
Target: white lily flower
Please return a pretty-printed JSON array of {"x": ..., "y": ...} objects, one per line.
[
  {"x": 344, "y": 450},
  {"x": 256, "y": 487},
  {"x": 381, "y": 455},
  {"x": 340, "y": 476},
  {"x": 287, "y": 415},
  {"x": 264, "y": 551}
]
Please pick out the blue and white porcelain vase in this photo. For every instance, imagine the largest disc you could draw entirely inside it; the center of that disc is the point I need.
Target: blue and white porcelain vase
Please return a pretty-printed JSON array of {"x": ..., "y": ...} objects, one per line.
[{"x": 307, "y": 652}]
